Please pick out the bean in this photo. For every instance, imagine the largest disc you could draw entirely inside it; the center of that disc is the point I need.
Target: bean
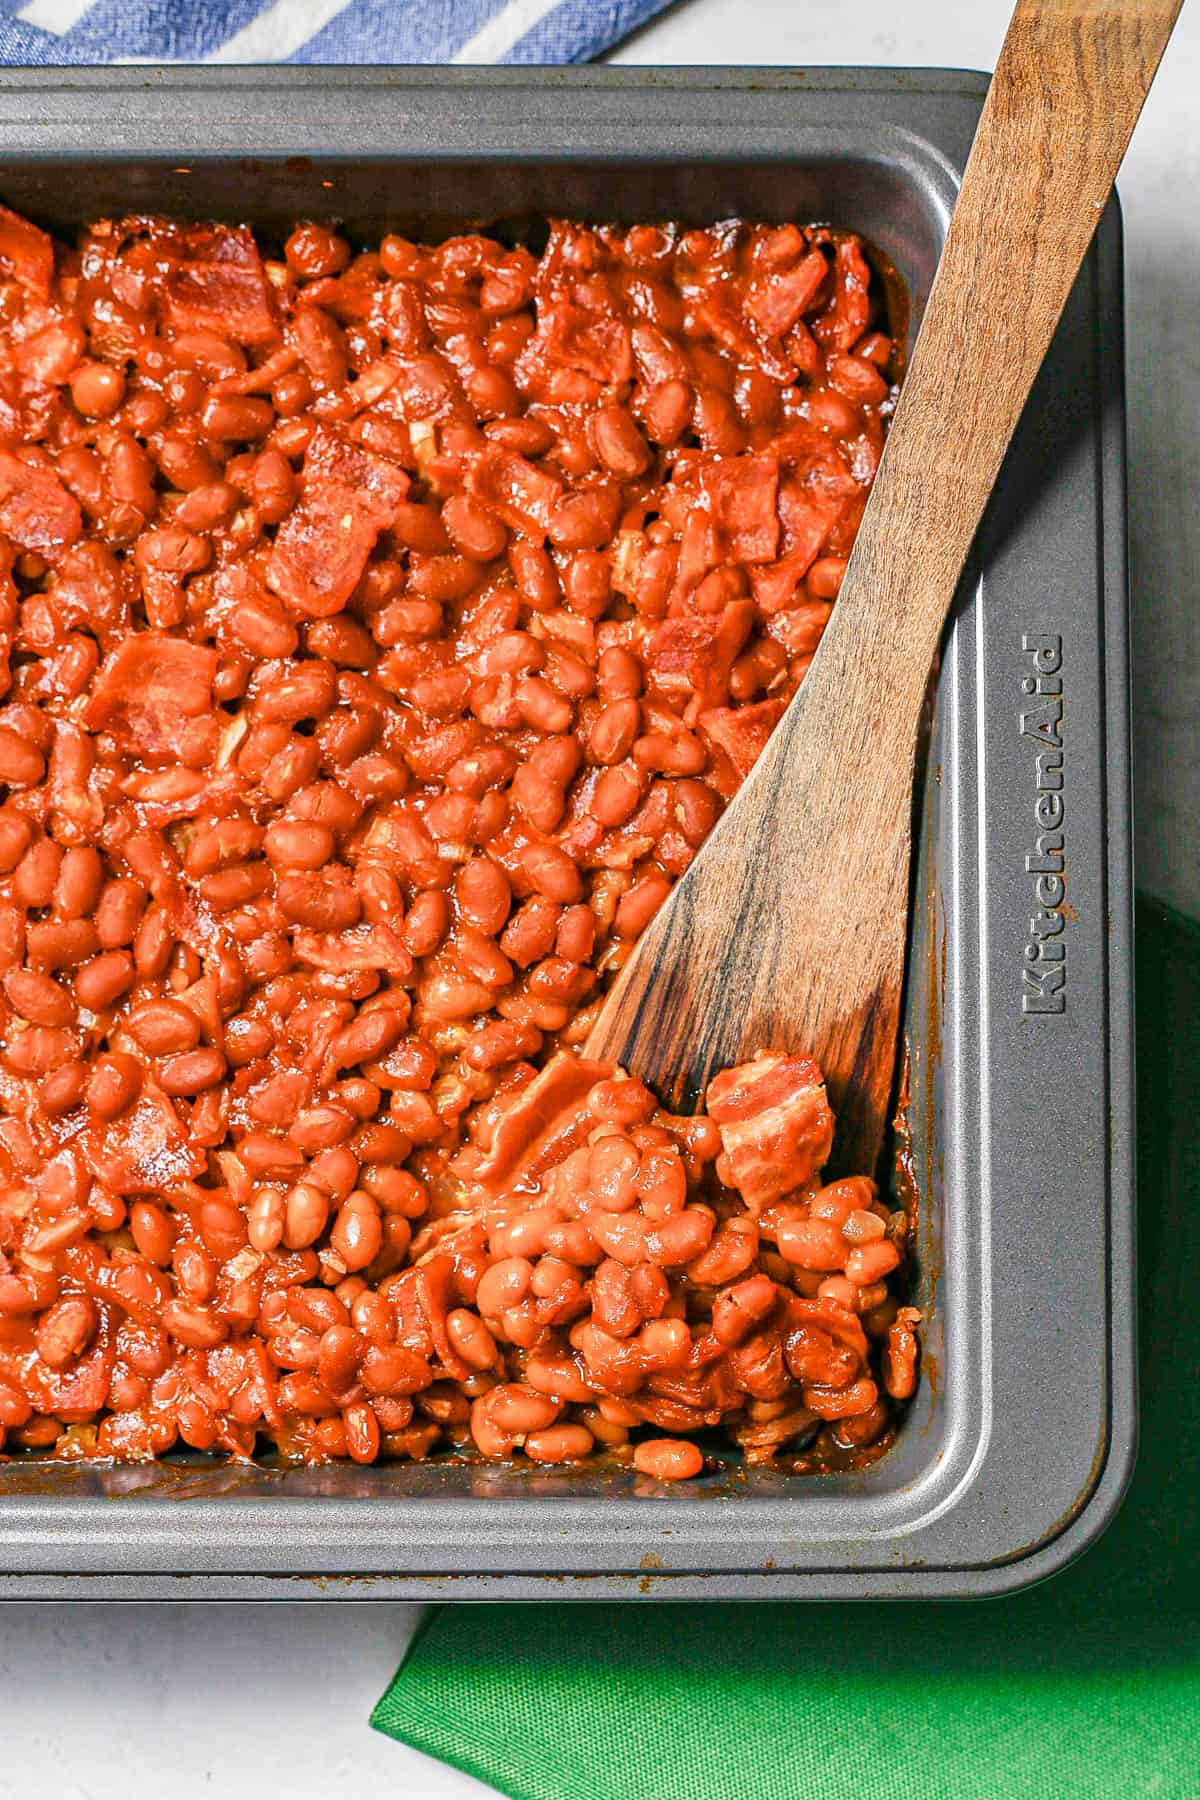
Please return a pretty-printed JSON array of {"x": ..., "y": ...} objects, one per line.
[
  {"x": 552, "y": 873},
  {"x": 63, "y": 1090},
  {"x": 37, "y": 873},
  {"x": 194, "y": 1325},
  {"x": 153, "y": 1231},
  {"x": 21, "y": 763},
  {"x": 516, "y": 1409},
  {"x": 738, "y": 1310},
  {"x": 871, "y": 1262},
  {"x": 357, "y": 1232},
  {"x": 265, "y": 1220},
  {"x": 113, "y": 1085},
  {"x": 306, "y": 1212},
  {"x": 38, "y": 1050},
  {"x": 192, "y": 1072},
  {"x": 640, "y": 904},
  {"x": 559, "y": 1444},
  {"x": 65, "y": 1331},
  {"x": 15, "y": 836},
  {"x": 474, "y": 530},
  {"x": 667, "y": 411},
  {"x": 54, "y": 944},
  {"x": 362, "y": 1433},
  {"x": 504, "y": 1285},
  {"x": 97, "y": 389},
  {"x": 103, "y": 979},
  {"x": 668, "y": 1459},
  {"x": 615, "y": 730},
  {"x": 38, "y": 998},
  {"x": 616, "y": 795},
  {"x": 811, "y": 1243},
  {"x": 558, "y": 1377},
  {"x": 15, "y": 1409},
  {"x": 393, "y": 1370},
  {"x": 78, "y": 883},
  {"x": 618, "y": 442},
  {"x": 164, "y": 1027},
  {"x": 118, "y": 912}
]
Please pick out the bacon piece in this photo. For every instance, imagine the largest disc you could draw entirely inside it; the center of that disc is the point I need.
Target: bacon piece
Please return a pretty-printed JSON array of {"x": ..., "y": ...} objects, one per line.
[
  {"x": 219, "y": 284},
  {"x": 775, "y": 1123},
  {"x": 321, "y": 549},
  {"x": 421, "y": 1299},
  {"x": 699, "y": 551},
  {"x": 737, "y": 736},
  {"x": 774, "y": 584},
  {"x": 807, "y": 515},
  {"x": 799, "y": 629},
  {"x": 364, "y": 947},
  {"x": 520, "y": 493},
  {"x": 74, "y": 1393},
  {"x": 146, "y": 1150},
  {"x": 846, "y": 317},
  {"x": 36, "y": 511},
  {"x": 26, "y": 254},
  {"x": 149, "y": 688},
  {"x": 741, "y": 493},
  {"x": 545, "y": 1121},
  {"x": 596, "y": 344},
  {"x": 690, "y": 659},
  {"x": 825, "y": 1315},
  {"x": 91, "y": 588},
  {"x": 777, "y": 300}
]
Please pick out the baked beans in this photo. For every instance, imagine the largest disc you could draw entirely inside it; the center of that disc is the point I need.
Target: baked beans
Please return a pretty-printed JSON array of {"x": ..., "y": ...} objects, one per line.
[{"x": 382, "y": 633}]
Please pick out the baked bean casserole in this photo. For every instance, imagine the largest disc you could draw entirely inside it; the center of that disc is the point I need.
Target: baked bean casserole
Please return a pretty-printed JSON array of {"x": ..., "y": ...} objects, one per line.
[{"x": 382, "y": 633}]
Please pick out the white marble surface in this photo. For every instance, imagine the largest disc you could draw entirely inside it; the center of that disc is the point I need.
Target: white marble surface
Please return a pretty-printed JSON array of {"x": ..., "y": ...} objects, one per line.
[{"x": 190, "y": 1700}]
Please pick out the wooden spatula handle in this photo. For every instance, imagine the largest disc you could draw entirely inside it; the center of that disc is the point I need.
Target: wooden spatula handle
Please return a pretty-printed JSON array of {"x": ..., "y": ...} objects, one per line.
[
  {"x": 1069, "y": 85},
  {"x": 788, "y": 930}
]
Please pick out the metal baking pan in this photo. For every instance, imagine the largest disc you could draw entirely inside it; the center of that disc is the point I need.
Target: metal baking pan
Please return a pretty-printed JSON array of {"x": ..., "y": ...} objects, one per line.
[{"x": 1020, "y": 1441}]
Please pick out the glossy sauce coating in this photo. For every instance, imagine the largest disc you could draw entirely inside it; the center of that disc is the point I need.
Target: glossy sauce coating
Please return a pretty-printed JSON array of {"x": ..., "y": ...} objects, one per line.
[{"x": 382, "y": 634}]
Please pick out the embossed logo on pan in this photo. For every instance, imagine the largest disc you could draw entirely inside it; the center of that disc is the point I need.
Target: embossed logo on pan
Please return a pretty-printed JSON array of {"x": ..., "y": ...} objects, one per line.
[{"x": 1044, "y": 956}]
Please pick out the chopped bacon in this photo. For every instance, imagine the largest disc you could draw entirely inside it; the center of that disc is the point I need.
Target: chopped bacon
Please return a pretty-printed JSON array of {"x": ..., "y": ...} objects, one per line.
[
  {"x": 26, "y": 254},
  {"x": 219, "y": 284},
  {"x": 778, "y": 300},
  {"x": 78, "y": 1391},
  {"x": 699, "y": 551},
  {"x": 846, "y": 317},
  {"x": 799, "y": 629},
  {"x": 595, "y": 344},
  {"x": 828, "y": 1316},
  {"x": 149, "y": 688},
  {"x": 741, "y": 494},
  {"x": 740, "y": 733},
  {"x": 542, "y": 1123},
  {"x": 775, "y": 584},
  {"x": 517, "y": 491},
  {"x": 807, "y": 512},
  {"x": 145, "y": 1150},
  {"x": 321, "y": 549},
  {"x": 775, "y": 1123},
  {"x": 363, "y": 947},
  {"x": 689, "y": 660},
  {"x": 36, "y": 511},
  {"x": 421, "y": 1300}
]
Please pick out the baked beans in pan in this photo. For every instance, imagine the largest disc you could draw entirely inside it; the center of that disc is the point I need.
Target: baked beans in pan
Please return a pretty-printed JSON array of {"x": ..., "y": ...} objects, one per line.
[{"x": 381, "y": 634}]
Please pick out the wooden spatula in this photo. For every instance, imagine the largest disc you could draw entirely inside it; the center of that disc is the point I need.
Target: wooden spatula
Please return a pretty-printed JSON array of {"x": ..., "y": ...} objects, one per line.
[{"x": 788, "y": 931}]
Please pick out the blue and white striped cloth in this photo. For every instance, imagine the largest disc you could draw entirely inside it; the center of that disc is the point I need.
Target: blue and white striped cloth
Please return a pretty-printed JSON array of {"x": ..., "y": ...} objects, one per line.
[{"x": 316, "y": 31}]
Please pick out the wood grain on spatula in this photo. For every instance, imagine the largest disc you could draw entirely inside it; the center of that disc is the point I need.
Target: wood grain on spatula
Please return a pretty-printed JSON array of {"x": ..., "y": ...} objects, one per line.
[{"x": 788, "y": 931}]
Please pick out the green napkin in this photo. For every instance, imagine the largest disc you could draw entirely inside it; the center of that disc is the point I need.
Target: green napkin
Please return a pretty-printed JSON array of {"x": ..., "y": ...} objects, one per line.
[{"x": 1087, "y": 1686}]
